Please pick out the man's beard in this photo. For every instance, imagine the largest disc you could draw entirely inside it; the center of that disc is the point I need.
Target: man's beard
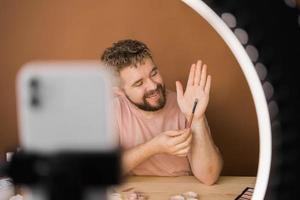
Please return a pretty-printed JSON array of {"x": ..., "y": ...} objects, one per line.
[{"x": 146, "y": 106}]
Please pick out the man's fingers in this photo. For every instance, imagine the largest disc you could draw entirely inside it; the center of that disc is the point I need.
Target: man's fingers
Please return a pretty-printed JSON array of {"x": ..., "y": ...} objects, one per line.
[
  {"x": 185, "y": 143},
  {"x": 197, "y": 72},
  {"x": 184, "y": 135},
  {"x": 179, "y": 90},
  {"x": 208, "y": 84},
  {"x": 182, "y": 155},
  {"x": 183, "y": 152},
  {"x": 173, "y": 133},
  {"x": 191, "y": 75},
  {"x": 203, "y": 76}
]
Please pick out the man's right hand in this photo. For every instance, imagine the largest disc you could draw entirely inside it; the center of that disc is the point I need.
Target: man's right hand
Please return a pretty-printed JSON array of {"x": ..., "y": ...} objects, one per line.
[{"x": 176, "y": 142}]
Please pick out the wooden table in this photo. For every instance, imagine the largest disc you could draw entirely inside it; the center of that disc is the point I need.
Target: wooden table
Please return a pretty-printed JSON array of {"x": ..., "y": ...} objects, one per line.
[{"x": 161, "y": 188}]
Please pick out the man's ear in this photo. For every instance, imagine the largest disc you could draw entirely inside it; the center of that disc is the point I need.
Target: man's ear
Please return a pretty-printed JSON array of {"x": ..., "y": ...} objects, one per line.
[{"x": 118, "y": 91}]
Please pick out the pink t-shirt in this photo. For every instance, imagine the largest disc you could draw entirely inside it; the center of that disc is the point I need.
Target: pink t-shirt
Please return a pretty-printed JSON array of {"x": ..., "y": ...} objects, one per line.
[{"x": 135, "y": 129}]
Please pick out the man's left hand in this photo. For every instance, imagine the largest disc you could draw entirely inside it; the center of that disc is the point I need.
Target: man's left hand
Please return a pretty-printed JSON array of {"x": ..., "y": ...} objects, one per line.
[{"x": 198, "y": 86}]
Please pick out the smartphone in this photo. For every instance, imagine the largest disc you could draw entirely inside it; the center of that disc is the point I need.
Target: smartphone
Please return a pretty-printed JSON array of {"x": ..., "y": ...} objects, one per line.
[{"x": 65, "y": 106}]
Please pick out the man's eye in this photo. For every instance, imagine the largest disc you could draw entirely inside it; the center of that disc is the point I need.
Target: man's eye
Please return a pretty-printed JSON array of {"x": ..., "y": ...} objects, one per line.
[
  {"x": 138, "y": 84},
  {"x": 154, "y": 73}
]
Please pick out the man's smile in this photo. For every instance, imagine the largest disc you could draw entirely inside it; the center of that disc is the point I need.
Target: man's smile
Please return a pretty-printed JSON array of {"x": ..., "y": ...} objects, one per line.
[{"x": 155, "y": 96}]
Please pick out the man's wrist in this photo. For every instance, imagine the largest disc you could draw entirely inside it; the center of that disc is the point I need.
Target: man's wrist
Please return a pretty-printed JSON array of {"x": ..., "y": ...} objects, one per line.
[
  {"x": 153, "y": 147},
  {"x": 196, "y": 118},
  {"x": 198, "y": 124},
  {"x": 200, "y": 119}
]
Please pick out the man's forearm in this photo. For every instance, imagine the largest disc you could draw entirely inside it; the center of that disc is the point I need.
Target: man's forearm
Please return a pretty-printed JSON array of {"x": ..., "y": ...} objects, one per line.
[
  {"x": 205, "y": 158},
  {"x": 136, "y": 155}
]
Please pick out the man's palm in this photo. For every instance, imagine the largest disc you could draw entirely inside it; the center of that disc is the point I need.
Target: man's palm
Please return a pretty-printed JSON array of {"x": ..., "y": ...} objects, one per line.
[{"x": 198, "y": 86}]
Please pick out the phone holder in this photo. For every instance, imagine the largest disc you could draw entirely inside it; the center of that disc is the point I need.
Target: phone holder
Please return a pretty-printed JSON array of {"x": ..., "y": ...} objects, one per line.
[{"x": 65, "y": 175}]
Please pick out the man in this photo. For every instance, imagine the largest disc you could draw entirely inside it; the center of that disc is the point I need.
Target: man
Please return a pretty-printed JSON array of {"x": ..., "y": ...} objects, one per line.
[{"x": 151, "y": 120}]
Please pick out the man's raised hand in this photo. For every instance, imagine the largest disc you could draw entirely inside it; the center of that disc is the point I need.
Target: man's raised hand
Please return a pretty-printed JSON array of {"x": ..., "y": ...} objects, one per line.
[{"x": 198, "y": 86}]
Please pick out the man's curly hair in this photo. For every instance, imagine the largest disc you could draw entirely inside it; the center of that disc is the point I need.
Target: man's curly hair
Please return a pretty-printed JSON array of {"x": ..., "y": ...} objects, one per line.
[{"x": 124, "y": 53}]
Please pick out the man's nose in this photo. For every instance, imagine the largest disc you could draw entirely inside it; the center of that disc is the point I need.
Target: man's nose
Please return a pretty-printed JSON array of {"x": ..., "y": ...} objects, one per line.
[{"x": 151, "y": 85}]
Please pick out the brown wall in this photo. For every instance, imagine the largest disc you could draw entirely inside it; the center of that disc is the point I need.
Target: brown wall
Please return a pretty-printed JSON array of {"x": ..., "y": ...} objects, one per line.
[{"x": 62, "y": 29}]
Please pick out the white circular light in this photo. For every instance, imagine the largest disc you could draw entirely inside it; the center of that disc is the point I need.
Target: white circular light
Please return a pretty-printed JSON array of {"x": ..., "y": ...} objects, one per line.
[
  {"x": 261, "y": 71},
  {"x": 229, "y": 19},
  {"x": 252, "y": 52},
  {"x": 241, "y": 35},
  {"x": 291, "y": 3},
  {"x": 268, "y": 89},
  {"x": 259, "y": 98}
]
